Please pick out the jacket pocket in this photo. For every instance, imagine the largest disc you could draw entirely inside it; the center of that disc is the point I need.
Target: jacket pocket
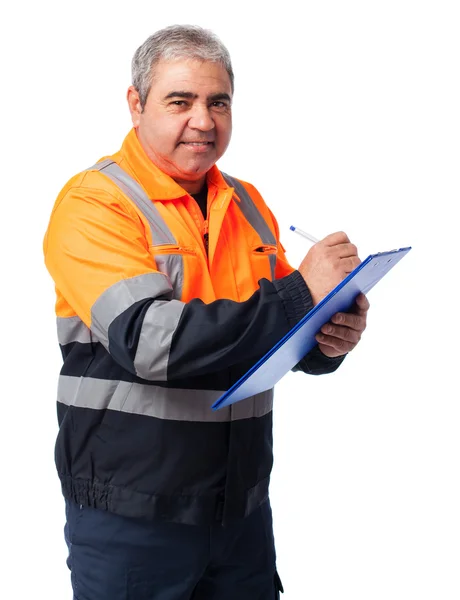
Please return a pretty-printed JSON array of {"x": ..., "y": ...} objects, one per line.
[
  {"x": 172, "y": 249},
  {"x": 263, "y": 261},
  {"x": 264, "y": 249}
]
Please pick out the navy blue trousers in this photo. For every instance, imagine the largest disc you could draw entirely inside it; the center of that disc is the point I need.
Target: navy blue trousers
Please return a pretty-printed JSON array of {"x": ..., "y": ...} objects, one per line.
[{"x": 116, "y": 558}]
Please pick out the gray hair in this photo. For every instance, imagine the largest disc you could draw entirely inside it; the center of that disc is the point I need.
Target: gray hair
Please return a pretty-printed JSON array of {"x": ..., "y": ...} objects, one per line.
[{"x": 176, "y": 41}]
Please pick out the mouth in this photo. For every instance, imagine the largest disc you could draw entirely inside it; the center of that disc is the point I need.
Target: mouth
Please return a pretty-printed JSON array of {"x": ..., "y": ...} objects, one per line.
[
  {"x": 197, "y": 147},
  {"x": 197, "y": 143}
]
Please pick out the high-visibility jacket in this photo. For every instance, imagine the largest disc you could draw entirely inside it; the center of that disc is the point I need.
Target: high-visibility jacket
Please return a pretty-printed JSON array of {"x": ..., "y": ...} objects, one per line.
[{"x": 158, "y": 312}]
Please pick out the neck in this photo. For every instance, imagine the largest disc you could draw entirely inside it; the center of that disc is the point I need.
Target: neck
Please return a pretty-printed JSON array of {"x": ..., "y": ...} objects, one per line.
[{"x": 192, "y": 187}]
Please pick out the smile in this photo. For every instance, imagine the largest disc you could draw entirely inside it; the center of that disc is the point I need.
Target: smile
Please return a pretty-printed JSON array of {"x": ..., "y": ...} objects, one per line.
[{"x": 198, "y": 147}]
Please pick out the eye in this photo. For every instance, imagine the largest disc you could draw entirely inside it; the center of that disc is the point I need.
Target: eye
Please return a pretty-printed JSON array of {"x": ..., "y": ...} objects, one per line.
[
  {"x": 220, "y": 104},
  {"x": 178, "y": 103}
]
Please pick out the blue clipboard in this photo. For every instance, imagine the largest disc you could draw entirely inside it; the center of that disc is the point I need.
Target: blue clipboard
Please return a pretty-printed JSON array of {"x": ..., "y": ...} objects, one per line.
[{"x": 301, "y": 339}]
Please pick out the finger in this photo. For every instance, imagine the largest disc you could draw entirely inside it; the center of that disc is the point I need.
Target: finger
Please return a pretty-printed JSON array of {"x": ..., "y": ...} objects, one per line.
[
  {"x": 330, "y": 333},
  {"x": 329, "y": 351},
  {"x": 333, "y": 239},
  {"x": 350, "y": 263},
  {"x": 346, "y": 250},
  {"x": 362, "y": 305},
  {"x": 351, "y": 320},
  {"x": 334, "y": 346}
]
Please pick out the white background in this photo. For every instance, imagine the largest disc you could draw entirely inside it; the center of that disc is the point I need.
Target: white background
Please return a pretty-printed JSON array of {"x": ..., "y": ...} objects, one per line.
[{"x": 346, "y": 117}]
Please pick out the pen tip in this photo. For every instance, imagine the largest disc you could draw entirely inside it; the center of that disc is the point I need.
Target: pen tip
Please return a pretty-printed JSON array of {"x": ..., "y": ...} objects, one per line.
[{"x": 292, "y": 228}]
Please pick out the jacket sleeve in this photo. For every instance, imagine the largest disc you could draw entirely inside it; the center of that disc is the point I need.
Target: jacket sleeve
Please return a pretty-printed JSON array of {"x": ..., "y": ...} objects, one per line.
[
  {"x": 314, "y": 362},
  {"x": 97, "y": 254}
]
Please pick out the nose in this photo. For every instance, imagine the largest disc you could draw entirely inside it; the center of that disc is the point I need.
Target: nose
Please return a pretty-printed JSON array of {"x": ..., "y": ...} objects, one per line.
[{"x": 201, "y": 118}]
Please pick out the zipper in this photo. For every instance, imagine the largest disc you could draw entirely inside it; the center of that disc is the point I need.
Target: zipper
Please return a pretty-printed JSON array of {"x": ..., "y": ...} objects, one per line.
[{"x": 206, "y": 236}]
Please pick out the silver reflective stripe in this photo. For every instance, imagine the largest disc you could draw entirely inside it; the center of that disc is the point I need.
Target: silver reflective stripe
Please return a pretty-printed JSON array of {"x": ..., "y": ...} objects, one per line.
[
  {"x": 123, "y": 294},
  {"x": 255, "y": 406},
  {"x": 160, "y": 231},
  {"x": 72, "y": 329},
  {"x": 158, "y": 327},
  {"x": 160, "y": 321},
  {"x": 253, "y": 216},
  {"x": 173, "y": 264},
  {"x": 154, "y": 401}
]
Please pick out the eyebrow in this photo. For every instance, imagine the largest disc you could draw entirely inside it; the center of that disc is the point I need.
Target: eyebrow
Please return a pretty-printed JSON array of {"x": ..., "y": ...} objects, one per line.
[
  {"x": 191, "y": 96},
  {"x": 219, "y": 96}
]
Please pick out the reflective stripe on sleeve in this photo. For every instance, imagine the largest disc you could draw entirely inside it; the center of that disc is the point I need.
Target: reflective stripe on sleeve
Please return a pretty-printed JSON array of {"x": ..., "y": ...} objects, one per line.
[
  {"x": 158, "y": 327},
  {"x": 155, "y": 330},
  {"x": 123, "y": 294}
]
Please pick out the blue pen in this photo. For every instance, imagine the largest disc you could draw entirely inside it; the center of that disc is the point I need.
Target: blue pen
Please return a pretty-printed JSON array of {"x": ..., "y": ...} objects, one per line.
[{"x": 304, "y": 234}]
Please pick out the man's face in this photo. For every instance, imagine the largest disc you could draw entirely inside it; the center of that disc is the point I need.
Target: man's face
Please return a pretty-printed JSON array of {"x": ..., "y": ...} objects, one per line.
[{"x": 186, "y": 124}]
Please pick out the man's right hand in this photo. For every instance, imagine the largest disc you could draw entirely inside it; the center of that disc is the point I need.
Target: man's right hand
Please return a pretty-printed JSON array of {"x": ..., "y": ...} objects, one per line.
[{"x": 327, "y": 263}]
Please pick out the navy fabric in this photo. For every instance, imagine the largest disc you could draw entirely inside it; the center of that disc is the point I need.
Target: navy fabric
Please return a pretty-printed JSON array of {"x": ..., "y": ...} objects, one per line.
[{"x": 118, "y": 558}]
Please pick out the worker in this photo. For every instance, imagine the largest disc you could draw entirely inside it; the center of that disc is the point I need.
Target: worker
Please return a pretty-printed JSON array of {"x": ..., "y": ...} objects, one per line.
[{"x": 171, "y": 282}]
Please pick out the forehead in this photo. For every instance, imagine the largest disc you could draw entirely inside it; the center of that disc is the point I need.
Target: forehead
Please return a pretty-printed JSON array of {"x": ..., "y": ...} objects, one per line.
[{"x": 190, "y": 75}]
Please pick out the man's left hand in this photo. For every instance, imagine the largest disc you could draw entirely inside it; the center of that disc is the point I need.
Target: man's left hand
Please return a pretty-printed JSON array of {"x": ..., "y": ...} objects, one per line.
[{"x": 344, "y": 330}]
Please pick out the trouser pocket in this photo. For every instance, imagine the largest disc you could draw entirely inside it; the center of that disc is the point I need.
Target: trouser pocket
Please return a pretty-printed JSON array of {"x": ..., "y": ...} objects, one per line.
[
  {"x": 74, "y": 513},
  {"x": 278, "y": 586}
]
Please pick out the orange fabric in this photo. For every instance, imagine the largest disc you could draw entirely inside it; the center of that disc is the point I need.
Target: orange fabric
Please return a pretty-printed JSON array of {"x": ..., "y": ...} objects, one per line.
[{"x": 97, "y": 236}]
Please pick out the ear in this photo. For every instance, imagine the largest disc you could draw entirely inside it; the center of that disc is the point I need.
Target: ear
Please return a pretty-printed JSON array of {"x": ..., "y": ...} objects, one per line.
[{"x": 134, "y": 104}]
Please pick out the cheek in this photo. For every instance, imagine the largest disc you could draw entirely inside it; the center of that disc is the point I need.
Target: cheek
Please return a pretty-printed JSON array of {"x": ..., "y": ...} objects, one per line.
[
  {"x": 163, "y": 133},
  {"x": 224, "y": 128}
]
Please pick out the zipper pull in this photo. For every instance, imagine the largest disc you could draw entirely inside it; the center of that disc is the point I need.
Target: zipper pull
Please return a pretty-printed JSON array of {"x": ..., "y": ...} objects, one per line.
[{"x": 206, "y": 236}]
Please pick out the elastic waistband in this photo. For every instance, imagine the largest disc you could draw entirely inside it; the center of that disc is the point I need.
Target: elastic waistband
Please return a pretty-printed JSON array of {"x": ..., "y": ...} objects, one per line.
[{"x": 201, "y": 509}]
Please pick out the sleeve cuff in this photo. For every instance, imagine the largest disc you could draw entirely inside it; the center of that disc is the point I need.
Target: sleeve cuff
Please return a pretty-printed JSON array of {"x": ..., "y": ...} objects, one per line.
[
  {"x": 297, "y": 302},
  {"x": 317, "y": 363},
  {"x": 295, "y": 296}
]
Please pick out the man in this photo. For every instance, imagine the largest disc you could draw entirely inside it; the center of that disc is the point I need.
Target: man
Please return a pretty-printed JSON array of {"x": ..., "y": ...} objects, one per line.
[{"x": 171, "y": 282}]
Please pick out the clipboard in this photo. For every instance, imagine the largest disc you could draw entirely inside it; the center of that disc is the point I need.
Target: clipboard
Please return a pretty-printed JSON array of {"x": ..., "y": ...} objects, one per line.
[{"x": 301, "y": 338}]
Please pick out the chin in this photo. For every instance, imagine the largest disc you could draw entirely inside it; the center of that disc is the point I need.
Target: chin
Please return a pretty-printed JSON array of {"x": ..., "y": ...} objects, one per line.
[{"x": 195, "y": 173}]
